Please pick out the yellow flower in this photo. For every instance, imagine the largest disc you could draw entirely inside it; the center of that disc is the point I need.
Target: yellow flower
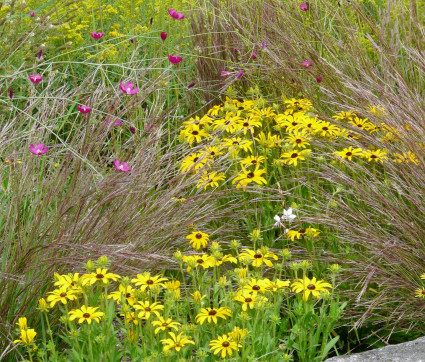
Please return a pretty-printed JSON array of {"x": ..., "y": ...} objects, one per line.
[
  {"x": 26, "y": 337},
  {"x": 252, "y": 160},
  {"x": 126, "y": 293},
  {"x": 257, "y": 257},
  {"x": 325, "y": 129},
  {"x": 172, "y": 285},
  {"x": 420, "y": 293},
  {"x": 146, "y": 309},
  {"x": 292, "y": 157},
  {"x": 247, "y": 300},
  {"x": 68, "y": 280},
  {"x": 225, "y": 345},
  {"x": 341, "y": 116},
  {"x": 255, "y": 286},
  {"x": 377, "y": 155},
  {"x": 297, "y": 104},
  {"x": 193, "y": 133},
  {"x": 61, "y": 295},
  {"x": 238, "y": 334},
  {"x": 348, "y": 153},
  {"x": 176, "y": 342},
  {"x": 197, "y": 296},
  {"x": 210, "y": 179},
  {"x": 311, "y": 232},
  {"x": 230, "y": 123},
  {"x": 146, "y": 281},
  {"x": 22, "y": 323},
  {"x": 42, "y": 305},
  {"x": 277, "y": 285},
  {"x": 310, "y": 286},
  {"x": 268, "y": 141},
  {"x": 237, "y": 143},
  {"x": 245, "y": 177},
  {"x": 226, "y": 258},
  {"x": 406, "y": 157},
  {"x": 198, "y": 239},
  {"x": 194, "y": 162},
  {"x": 206, "y": 261},
  {"x": 163, "y": 324},
  {"x": 100, "y": 276},
  {"x": 211, "y": 314},
  {"x": 86, "y": 314},
  {"x": 298, "y": 140},
  {"x": 130, "y": 317}
]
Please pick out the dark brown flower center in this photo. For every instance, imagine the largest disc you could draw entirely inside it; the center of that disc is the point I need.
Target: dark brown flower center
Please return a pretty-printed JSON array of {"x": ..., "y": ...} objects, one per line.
[
  {"x": 246, "y": 124},
  {"x": 72, "y": 284},
  {"x": 63, "y": 295},
  {"x": 227, "y": 123},
  {"x": 349, "y": 154},
  {"x": 248, "y": 300},
  {"x": 235, "y": 143},
  {"x": 150, "y": 281},
  {"x": 200, "y": 261},
  {"x": 198, "y": 236},
  {"x": 311, "y": 287},
  {"x": 294, "y": 155},
  {"x": 148, "y": 309},
  {"x": 164, "y": 324},
  {"x": 254, "y": 161},
  {"x": 258, "y": 256},
  {"x": 99, "y": 276},
  {"x": 256, "y": 287},
  {"x": 195, "y": 159},
  {"x": 250, "y": 175},
  {"x": 294, "y": 123},
  {"x": 212, "y": 312},
  {"x": 195, "y": 133},
  {"x": 128, "y": 295},
  {"x": 373, "y": 156},
  {"x": 359, "y": 125},
  {"x": 325, "y": 128},
  {"x": 225, "y": 344},
  {"x": 86, "y": 315},
  {"x": 302, "y": 231},
  {"x": 298, "y": 140},
  {"x": 212, "y": 153},
  {"x": 423, "y": 292}
]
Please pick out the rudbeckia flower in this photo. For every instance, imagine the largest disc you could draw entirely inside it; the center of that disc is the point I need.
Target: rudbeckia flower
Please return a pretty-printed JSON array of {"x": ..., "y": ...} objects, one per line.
[
  {"x": 245, "y": 177},
  {"x": 86, "y": 314},
  {"x": 310, "y": 286},
  {"x": 292, "y": 157},
  {"x": 146, "y": 281},
  {"x": 211, "y": 314},
  {"x": 101, "y": 276},
  {"x": 258, "y": 257},
  {"x": 63, "y": 294},
  {"x": 174, "y": 59},
  {"x": 123, "y": 293},
  {"x": 35, "y": 78},
  {"x": 176, "y": 342},
  {"x": 39, "y": 149},
  {"x": 210, "y": 179},
  {"x": 175, "y": 15},
  {"x": 123, "y": 167},
  {"x": 163, "y": 324},
  {"x": 26, "y": 337},
  {"x": 248, "y": 301},
  {"x": 348, "y": 153},
  {"x": 84, "y": 109},
  {"x": 146, "y": 309},
  {"x": 198, "y": 239},
  {"x": 225, "y": 345},
  {"x": 127, "y": 88},
  {"x": 97, "y": 35},
  {"x": 22, "y": 323}
]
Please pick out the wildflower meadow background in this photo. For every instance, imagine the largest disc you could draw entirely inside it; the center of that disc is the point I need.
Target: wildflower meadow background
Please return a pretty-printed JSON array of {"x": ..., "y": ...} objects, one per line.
[{"x": 210, "y": 180}]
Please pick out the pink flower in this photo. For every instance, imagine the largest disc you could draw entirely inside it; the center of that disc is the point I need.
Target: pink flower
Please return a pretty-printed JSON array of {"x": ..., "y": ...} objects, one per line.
[
  {"x": 84, "y": 109},
  {"x": 123, "y": 167},
  {"x": 175, "y": 15},
  {"x": 35, "y": 78},
  {"x": 306, "y": 64},
  {"x": 11, "y": 93},
  {"x": 39, "y": 54},
  {"x": 240, "y": 74},
  {"x": 32, "y": 14},
  {"x": 97, "y": 35},
  {"x": 39, "y": 149},
  {"x": 304, "y": 6},
  {"x": 254, "y": 55},
  {"x": 133, "y": 130},
  {"x": 118, "y": 123},
  {"x": 190, "y": 85},
  {"x": 174, "y": 59},
  {"x": 163, "y": 35},
  {"x": 127, "y": 88},
  {"x": 263, "y": 45},
  {"x": 319, "y": 78},
  {"x": 225, "y": 73}
]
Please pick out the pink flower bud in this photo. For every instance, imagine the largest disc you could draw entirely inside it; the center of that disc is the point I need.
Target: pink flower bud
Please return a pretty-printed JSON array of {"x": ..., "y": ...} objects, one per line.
[
  {"x": 163, "y": 35},
  {"x": 306, "y": 64},
  {"x": 319, "y": 78},
  {"x": 174, "y": 59},
  {"x": 133, "y": 130},
  {"x": 304, "y": 6},
  {"x": 32, "y": 14}
]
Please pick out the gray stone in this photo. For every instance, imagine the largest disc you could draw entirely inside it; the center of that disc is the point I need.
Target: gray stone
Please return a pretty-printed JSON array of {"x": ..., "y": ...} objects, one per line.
[{"x": 413, "y": 351}]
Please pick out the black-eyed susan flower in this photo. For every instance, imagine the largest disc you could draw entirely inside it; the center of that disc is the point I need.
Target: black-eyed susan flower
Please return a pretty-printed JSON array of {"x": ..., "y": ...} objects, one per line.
[
  {"x": 237, "y": 334},
  {"x": 224, "y": 345},
  {"x": 101, "y": 276},
  {"x": 293, "y": 156},
  {"x": 247, "y": 300},
  {"x": 255, "y": 286},
  {"x": 349, "y": 153},
  {"x": 276, "y": 285},
  {"x": 299, "y": 140},
  {"x": 204, "y": 260},
  {"x": 42, "y": 305},
  {"x": 297, "y": 104},
  {"x": 236, "y": 144},
  {"x": 210, "y": 179},
  {"x": 194, "y": 162},
  {"x": 69, "y": 280},
  {"x": 26, "y": 336},
  {"x": 146, "y": 281},
  {"x": 405, "y": 157},
  {"x": 176, "y": 342},
  {"x": 310, "y": 232},
  {"x": 310, "y": 286},
  {"x": 123, "y": 293},
  {"x": 147, "y": 309},
  {"x": 245, "y": 177},
  {"x": 198, "y": 239},
  {"x": 268, "y": 140},
  {"x": 252, "y": 161},
  {"x": 258, "y": 257},
  {"x": 325, "y": 129},
  {"x": 211, "y": 314},
  {"x": 63, "y": 294},
  {"x": 213, "y": 151},
  {"x": 229, "y": 258},
  {"x": 362, "y": 123},
  {"x": 344, "y": 116},
  {"x": 420, "y": 293},
  {"x": 249, "y": 124},
  {"x": 86, "y": 314},
  {"x": 376, "y": 155},
  {"x": 163, "y": 324},
  {"x": 193, "y": 133}
]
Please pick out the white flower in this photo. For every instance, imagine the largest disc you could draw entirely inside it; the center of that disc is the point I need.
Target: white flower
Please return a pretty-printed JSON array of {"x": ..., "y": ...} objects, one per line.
[
  {"x": 288, "y": 215},
  {"x": 278, "y": 222}
]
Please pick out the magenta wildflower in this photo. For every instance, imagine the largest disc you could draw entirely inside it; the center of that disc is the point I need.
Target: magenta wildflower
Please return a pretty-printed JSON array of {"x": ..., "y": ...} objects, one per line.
[
  {"x": 319, "y": 78},
  {"x": 35, "y": 78},
  {"x": 175, "y": 15},
  {"x": 174, "y": 59},
  {"x": 190, "y": 85},
  {"x": 39, "y": 54},
  {"x": 32, "y": 14},
  {"x": 123, "y": 167},
  {"x": 163, "y": 35},
  {"x": 263, "y": 45},
  {"x": 240, "y": 74},
  {"x": 304, "y": 6},
  {"x": 225, "y": 73},
  {"x": 117, "y": 123},
  {"x": 97, "y": 35},
  {"x": 127, "y": 88},
  {"x": 133, "y": 130},
  {"x": 11, "y": 93},
  {"x": 254, "y": 55},
  {"x": 132, "y": 41},
  {"x": 84, "y": 109},
  {"x": 39, "y": 149},
  {"x": 306, "y": 64}
]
